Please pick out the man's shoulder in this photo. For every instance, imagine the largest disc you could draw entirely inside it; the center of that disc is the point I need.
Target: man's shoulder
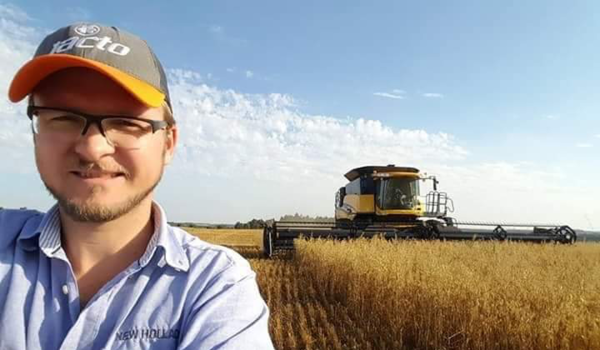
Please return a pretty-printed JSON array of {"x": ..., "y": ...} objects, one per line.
[
  {"x": 224, "y": 307},
  {"x": 13, "y": 222}
]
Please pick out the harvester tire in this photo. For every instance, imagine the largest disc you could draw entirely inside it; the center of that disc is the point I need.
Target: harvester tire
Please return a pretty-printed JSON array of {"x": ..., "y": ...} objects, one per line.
[
  {"x": 568, "y": 235},
  {"x": 500, "y": 233},
  {"x": 433, "y": 230}
]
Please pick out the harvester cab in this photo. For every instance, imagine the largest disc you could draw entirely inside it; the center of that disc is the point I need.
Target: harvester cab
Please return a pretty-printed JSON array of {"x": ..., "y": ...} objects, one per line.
[
  {"x": 388, "y": 194},
  {"x": 386, "y": 201}
]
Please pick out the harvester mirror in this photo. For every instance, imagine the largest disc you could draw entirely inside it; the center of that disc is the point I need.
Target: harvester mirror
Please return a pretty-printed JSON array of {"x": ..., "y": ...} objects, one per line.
[{"x": 340, "y": 196}]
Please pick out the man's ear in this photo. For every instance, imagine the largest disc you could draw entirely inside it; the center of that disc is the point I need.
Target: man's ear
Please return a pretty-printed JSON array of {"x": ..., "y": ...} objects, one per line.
[{"x": 171, "y": 137}]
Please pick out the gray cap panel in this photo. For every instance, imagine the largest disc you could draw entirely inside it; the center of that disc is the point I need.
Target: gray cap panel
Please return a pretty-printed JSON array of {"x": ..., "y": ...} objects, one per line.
[{"x": 111, "y": 46}]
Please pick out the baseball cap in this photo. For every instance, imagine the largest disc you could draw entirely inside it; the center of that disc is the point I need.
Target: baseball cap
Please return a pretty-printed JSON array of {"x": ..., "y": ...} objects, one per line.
[{"x": 123, "y": 57}]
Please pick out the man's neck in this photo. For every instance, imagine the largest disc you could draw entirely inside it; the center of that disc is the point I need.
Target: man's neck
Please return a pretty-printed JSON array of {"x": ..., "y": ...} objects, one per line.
[{"x": 99, "y": 251}]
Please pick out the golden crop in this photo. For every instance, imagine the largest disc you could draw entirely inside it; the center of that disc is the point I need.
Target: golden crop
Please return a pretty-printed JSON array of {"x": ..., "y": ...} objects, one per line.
[
  {"x": 375, "y": 294},
  {"x": 230, "y": 238}
]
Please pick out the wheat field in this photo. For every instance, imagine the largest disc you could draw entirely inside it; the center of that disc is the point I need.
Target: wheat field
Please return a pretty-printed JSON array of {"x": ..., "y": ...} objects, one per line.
[{"x": 375, "y": 294}]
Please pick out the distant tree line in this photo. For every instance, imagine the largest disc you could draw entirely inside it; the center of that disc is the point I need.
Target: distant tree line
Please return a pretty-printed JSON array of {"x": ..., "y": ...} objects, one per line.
[
  {"x": 199, "y": 225},
  {"x": 260, "y": 223},
  {"x": 252, "y": 224},
  {"x": 305, "y": 218}
]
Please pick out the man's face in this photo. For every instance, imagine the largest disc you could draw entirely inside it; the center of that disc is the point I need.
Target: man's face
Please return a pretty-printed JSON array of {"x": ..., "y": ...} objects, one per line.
[{"x": 92, "y": 180}]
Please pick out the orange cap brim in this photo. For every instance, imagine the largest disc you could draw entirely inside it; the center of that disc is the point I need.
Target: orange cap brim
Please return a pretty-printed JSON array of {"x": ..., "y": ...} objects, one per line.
[{"x": 40, "y": 67}]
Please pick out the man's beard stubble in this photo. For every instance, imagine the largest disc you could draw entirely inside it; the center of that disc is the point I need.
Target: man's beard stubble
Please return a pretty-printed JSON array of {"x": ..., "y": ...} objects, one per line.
[{"x": 98, "y": 213}]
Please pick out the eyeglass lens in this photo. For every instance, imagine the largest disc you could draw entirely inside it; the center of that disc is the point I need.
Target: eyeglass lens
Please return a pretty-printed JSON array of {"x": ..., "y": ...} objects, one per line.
[{"x": 122, "y": 132}]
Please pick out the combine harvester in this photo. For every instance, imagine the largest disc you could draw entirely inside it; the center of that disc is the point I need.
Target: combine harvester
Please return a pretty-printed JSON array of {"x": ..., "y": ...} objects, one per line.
[{"x": 385, "y": 201}]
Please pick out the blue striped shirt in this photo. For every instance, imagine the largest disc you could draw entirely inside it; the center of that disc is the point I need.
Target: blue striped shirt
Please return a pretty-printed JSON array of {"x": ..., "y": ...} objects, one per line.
[{"x": 183, "y": 293}]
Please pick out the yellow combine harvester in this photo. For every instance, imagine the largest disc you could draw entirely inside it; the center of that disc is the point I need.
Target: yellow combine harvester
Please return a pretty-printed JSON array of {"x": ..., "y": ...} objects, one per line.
[{"x": 385, "y": 200}]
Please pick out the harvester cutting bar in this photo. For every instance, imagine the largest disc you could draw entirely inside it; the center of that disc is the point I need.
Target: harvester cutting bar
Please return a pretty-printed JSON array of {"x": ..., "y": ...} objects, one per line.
[
  {"x": 287, "y": 230},
  {"x": 280, "y": 236},
  {"x": 503, "y": 224},
  {"x": 559, "y": 234}
]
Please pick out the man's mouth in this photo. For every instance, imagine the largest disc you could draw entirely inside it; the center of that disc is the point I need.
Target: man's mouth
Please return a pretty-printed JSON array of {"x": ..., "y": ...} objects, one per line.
[{"x": 97, "y": 174}]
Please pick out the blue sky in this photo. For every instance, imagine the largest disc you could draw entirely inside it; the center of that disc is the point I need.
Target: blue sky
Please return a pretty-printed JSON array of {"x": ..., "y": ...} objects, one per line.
[{"x": 499, "y": 99}]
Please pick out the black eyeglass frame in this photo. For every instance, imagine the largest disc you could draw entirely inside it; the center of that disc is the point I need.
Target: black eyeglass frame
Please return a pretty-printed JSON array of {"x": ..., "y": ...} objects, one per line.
[{"x": 97, "y": 120}]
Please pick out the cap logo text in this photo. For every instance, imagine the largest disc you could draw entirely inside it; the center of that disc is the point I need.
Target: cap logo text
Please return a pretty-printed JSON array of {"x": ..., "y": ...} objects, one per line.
[
  {"x": 90, "y": 42},
  {"x": 87, "y": 29}
]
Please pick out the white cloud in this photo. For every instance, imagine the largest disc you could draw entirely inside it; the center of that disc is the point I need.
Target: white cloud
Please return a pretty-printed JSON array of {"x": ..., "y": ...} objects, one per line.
[
  {"x": 398, "y": 91},
  {"x": 16, "y": 47},
  {"x": 433, "y": 95},
  {"x": 247, "y": 130},
  {"x": 13, "y": 13},
  {"x": 215, "y": 29},
  {"x": 584, "y": 145},
  {"x": 230, "y": 70},
  {"x": 261, "y": 146},
  {"x": 518, "y": 193},
  {"x": 265, "y": 142},
  {"x": 249, "y": 74},
  {"x": 552, "y": 117},
  {"x": 396, "y": 96}
]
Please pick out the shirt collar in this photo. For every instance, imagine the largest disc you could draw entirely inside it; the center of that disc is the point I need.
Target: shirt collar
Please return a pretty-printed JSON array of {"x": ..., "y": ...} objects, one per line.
[
  {"x": 45, "y": 236},
  {"x": 164, "y": 237},
  {"x": 49, "y": 233}
]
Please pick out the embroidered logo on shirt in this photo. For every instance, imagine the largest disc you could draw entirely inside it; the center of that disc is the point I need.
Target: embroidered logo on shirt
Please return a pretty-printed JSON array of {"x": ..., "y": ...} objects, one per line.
[{"x": 148, "y": 333}]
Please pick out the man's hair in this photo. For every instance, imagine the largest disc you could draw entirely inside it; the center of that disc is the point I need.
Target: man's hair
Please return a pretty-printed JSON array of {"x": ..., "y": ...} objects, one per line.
[{"x": 168, "y": 114}]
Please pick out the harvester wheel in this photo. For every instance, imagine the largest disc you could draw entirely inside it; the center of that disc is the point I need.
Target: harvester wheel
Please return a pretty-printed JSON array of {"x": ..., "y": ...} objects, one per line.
[
  {"x": 568, "y": 235},
  {"x": 500, "y": 233},
  {"x": 433, "y": 230}
]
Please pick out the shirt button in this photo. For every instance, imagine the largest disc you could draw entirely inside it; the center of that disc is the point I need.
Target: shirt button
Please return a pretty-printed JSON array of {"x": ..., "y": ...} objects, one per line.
[{"x": 65, "y": 289}]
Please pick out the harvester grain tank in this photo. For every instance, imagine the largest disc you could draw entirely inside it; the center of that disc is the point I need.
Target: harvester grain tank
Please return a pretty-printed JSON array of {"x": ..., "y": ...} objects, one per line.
[{"x": 386, "y": 201}]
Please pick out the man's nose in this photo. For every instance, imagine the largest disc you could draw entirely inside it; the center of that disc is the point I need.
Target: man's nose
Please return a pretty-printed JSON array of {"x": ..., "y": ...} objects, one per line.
[{"x": 92, "y": 146}]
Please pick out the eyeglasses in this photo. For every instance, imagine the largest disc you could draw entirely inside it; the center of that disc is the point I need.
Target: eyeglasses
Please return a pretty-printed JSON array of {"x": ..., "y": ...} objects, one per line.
[{"x": 68, "y": 125}]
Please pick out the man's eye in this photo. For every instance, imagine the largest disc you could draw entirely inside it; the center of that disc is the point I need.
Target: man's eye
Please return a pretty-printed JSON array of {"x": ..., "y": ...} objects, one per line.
[
  {"x": 124, "y": 124},
  {"x": 65, "y": 118}
]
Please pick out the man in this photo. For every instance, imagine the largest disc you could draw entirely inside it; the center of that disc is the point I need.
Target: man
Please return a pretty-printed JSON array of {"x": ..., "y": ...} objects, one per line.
[{"x": 102, "y": 269}]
